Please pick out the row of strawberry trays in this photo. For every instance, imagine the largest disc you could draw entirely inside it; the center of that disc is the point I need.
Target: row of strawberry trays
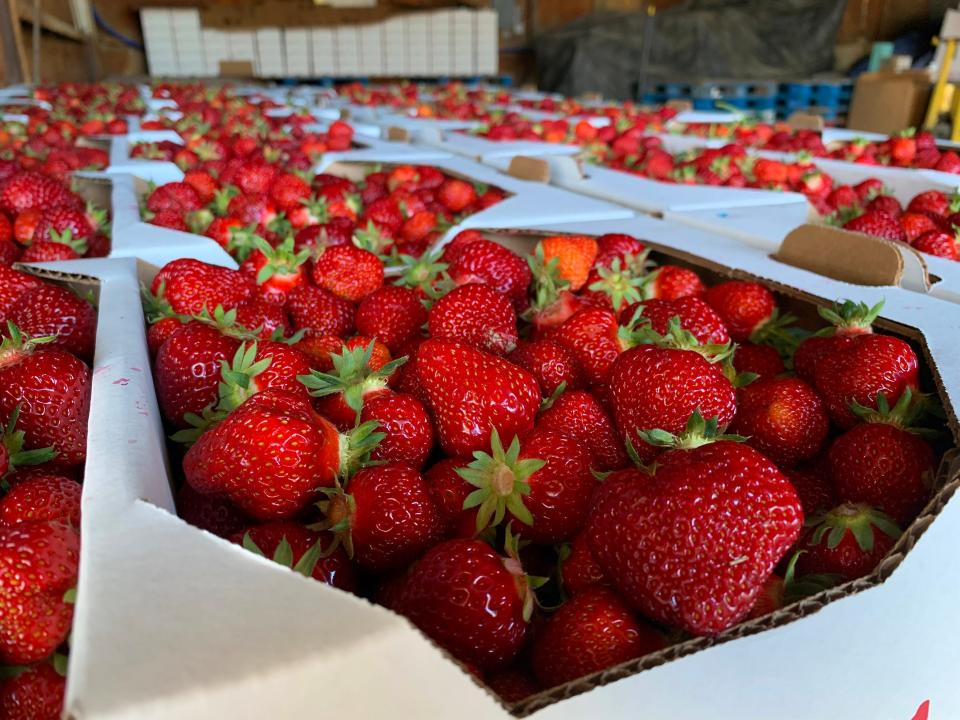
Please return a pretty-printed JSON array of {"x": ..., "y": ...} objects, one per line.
[{"x": 148, "y": 579}]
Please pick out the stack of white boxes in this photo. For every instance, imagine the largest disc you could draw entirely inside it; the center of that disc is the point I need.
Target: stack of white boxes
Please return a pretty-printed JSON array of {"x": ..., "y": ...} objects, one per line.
[{"x": 444, "y": 42}]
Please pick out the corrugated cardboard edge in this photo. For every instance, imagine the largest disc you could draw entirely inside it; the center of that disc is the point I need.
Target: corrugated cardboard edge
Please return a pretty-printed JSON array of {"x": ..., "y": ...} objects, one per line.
[
  {"x": 534, "y": 169},
  {"x": 398, "y": 134}
]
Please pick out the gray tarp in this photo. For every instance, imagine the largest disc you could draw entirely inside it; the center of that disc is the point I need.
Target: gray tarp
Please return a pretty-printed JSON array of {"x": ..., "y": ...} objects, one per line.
[{"x": 700, "y": 39}]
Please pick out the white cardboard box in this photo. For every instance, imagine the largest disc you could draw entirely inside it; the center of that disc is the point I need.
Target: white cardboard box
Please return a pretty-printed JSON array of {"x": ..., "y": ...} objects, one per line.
[
  {"x": 371, "y": 49},
  {"x": 296, "y": 47},
  {"x": 157, "y": 171},
  {"x": 417, "y": 30},
  {"x": 477, "y": 147}
]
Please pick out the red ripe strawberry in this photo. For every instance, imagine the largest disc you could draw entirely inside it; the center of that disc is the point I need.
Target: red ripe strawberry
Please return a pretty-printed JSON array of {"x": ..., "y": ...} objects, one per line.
[
  {"x": 849, "y": 541},
  {"x": 885, "y": 204},
  {"x": 783, "y": 418},
  {"x": 814, "y": 486},
  {"x": 916, "y": 224},
  {"x": 550, "y": 363},
  {"x": 221, "y": 229},
  {"x": 35, "y": 693},
  {"x": 29, "y": 189},
  {"x": 471, "y": 392},
  {"x": 392, "y": 314},
  {"x": 882, "y": 463},
  {"x": 255, "y": 312},
  {"x": 54, "y": 310},
  {"x": 417, "y": 228},
  {"x": 6, "y": 229},
  {"x": 848, "y": 319},
  {"x": 770, "y": 599},
  {"x": 745, "y": 307},
  {"x": 256, "y": 210},
  {"x": 544, "y": 483},
  {"x": 940, "y": 243},
  {"x": 580, "y": 416},
  {"x": 170, "y": 219},
  {"x": 388, "y": 518},
  {"x": 449, "y": 492},
  {"x": 191, "y": 285},
  {"x": 99, "y": 246},
  {"x": 10, "y": 252},
  {"x": 50, "y": 389},
  {"x": 271, "y": 455},
  {"x": 761, "y": 360},
  {"x": 614, "y": 246},
  {"x": 176, "y": 196},
  {"x": 869, "y": 189},
  {"x": 25, "y": 225},
  {"x": 695, "y": 315},
  {"x": 302, "y": 550},
  {"x": 319, "y": 312},
  {"x": 590, "y": 632},
  {"x": 843, "y": 196},
  {"x": 878, "y": 224},
  {"x": 277, "y": 270},
  {"x": 288, "y": 191},
  {"x": 38, "y": 565},
  {"x": 931, "y": 202},
  {"x": 456, "y": 195},
  {"x": 693, "y": 545},
  {"x": 593, "y": 336},
  {"x": 384, "y": 213},
  {"x": 348, "y": 272},
  {"x": 42, "y": 498},
  {"x": 463, "y": 238},
  {"x": 670, "y": 282},
  {"x": 255, "y": 178},
  {"x": 406, "y": 424},
  {"x": 210, "y": 512},
  {"x": 949, "y": 162},
  {"x": 13, "y": 284},
  {"x": 59, "y": 248},
  {"x": 861, "y": 368},
  {"x": 512, "y": 686},
  {"x": 487, "y": 262},
  {"x": 470, "y": 601},
  {"x": 477, "y": 315},
  {"x": 203, "y": 183},
  {"x": 56, "y": 222},
  {"x": 188, "y": 368}
]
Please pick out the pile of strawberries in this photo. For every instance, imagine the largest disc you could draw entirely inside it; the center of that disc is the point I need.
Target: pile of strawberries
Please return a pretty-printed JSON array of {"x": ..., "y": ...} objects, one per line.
[
  {"x": 909, "y": 149},
  {"x": 779, "y": 137},
  {"x": 929, "y": 222},
  {"x": 550, "y": 463},
  {"x": 514, "y": 126},
  {"x": 47, "y": 345},
  {"x": 42, "y": 219}
]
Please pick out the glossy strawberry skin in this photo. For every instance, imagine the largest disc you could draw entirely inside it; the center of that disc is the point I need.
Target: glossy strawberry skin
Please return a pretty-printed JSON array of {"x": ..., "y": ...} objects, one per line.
[
  {"x": 449, "y": 491},
  {"x": 188, "y": 370},
  {"x": 38, "y": 564},
  {"x": 861, "y": 368},
  {"x": 814, "y": 486},
  {"x": 393, "y": 315},
  {"x": 660, "y": 388},
  {"x": 550, "y": 363},
  {"x": 394, "y": 519},
  {"x": 673, "y": 282},
  {"x": 53, "y": 310},
  {"x": 348, "y": 272},
  {"x": 35, "y": 694},
  {"x": 579, "y": 569},
  {"x": 42, "y": 498},
  {"x": 743, "y": 306},
  {"x": 470, "y": 392},
  {"x": 590, "y": 632},
  {"x": 334, "y": 569},
  {"x": 695, "y": 315},
  {"x": 52, "y": 390},
  {"x": 592, "y": 336},
  {"x": 191, "y": 285},
  {"x": 580, "y": 416},
  {"x": 485, "y": 261},
  {"x": 669, "y": 542},
  {"x": 463, "y": 597},
  {"x": 13, "y": 285},
  {"x": 783, "y": 418},
  {"x": 212, "y": 513},
  {"x": 883, "y": 466},
  {"x": 269, "y": 456},
  {"x": 878, "y": 224},
  {"x": 512, "y": 685},
  {"x": 760, "y": 360},
  {"x": 407, "y": 425},
  {"x": 847, "y": 559},
  {"x": 477, "y": 315}
]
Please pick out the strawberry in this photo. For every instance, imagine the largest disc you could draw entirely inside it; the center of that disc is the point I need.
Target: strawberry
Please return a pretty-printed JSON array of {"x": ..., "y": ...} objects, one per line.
[
  {"x": 770, "y": 599},
  {"x": 693, "y": 545},
  {"x": 471, "y": 392},
  {"x": 613, "y": 246},
  {"x": 170, "y": 219},
  {"x": 695, "y": 315},
  {"x": 190, "y": 285},
  {"x": 210, "y": 512},
  {"x": 203, "y": 183},
  {"x": 843, "y": 196},
  {"x": 38, "y": 565},
  {"x": 593, "y": 336},
  {"x": 849, "y": 542},
  {"x": 258, "y": 210},
  {"x": 256, "y": 313},
  {"x": 661, "y": 385},
  {"x": 59, "y": 247},
  {"x": 884, "y": 462},
  {"x": 387, "y": 519},
  {"x": 869, "y": 189},
  {"x": 580, "y": 416},
  {"x": 575, "y": 256},
  {"x": 878, "y": 224},
  {"x": 477, "y": 315},
  {"x": 578, "y": 569},
  {"x": 384, "y": 213},
  {"x": 33, "y": 693},
  {"x": 255, "y": 178},
  {"x": 288, "y": 191},
  {"x": 417, "y": 228},
  {"x": 931, "y": 202},
  {"x": 463, "y": 238},
  {"x": 348, "y": 272},
  {"x": 544, "y": 483},
  {"x": 917, "y": 224},
  {"x": 392, "y": 314},
  {"x": 318, "y": 312},
  {"x": 13, "y": 285},
  {"x": 176, "y": 196},
  {"x": 456, "y": 195},
  {"x": 847, "y": 319},
  {"x": 55, "y": 311},
  {"x": 10, "y": 252},
  {"x": 277, "y": 270},
  {"x": 58, "y": 221},
  {"x": 406, "y": 425},
  {"x": 590, "y": 632},
  {"x": 50, "y": 389},
  {"x": 25, "y": 225},
  {"x": 488, "y": 262},
  {"x": 42, "y": 498},
  {"x": 745, "y": 307},
  {"x": 885, "y": 204},
  {"x": 222, "y": 230},
  {"x": 938, "y": 242},
  {"x": 671, "y": 282},
  {"x": 949, "y": 162},
  {"x": 310, "y": 553},
  {"x": 449, "y": 492},
  {"x": 29, "y": 189},
  {"x": 470, "y": 601},
  {"x": 760, "y": 360},
  {"x": 272, "y": 454},
  {"x": 783, "y": 418},
  {"x": 814, "y": 486},
  {"x": 550, "y": 363}
]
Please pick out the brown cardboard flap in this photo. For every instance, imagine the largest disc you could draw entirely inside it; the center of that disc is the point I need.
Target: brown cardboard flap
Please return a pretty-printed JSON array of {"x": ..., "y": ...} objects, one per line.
[
  {"x": 852, "y": 257},
  {"x": 94, "y": 190},
  {"x": 529, "y": 168},
  {"x": 398, "y": 134},
  {"x": 344, "y": 113},
  {"x": 805, "y": 121},
  {"x": 236, "y": 68},
  {"x": 680, "y": 105}
]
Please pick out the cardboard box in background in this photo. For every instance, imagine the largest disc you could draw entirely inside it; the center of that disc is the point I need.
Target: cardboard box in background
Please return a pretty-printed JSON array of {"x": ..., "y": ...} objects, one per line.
[{"x": 888, "y": 102}]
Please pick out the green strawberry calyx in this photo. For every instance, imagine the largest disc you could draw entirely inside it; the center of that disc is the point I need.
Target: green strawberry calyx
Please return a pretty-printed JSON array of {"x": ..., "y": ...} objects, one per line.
[
  {"x": 623, "y": 281},
  {"x": 697, "y": 433},
  {"x": 500, "y": 478},
  {"x": 640, "y": 332},
  {"x": 847, "y": 317},
  {"x": 856, "y": 518},
  {"x": 548, "y": 284},
  {"x": 157, "y": 307},
  {"x": 225, "y": 321},
  {"x": 776, "y": 331},
  {"x": 17, "y": 343},
  {"x": 424, "y": 273},
  {"x": 78, "y": 245},
  {"x": 803, "y": 586},
  {"x": 527, "y": 585},
  {"x": 352, "y": 376},
  {"x": 280, "y": 260},
  {"x": 910, "y": 407},
  {"x": 13, "y": 440},
  {"x": 283, "y": 555}
]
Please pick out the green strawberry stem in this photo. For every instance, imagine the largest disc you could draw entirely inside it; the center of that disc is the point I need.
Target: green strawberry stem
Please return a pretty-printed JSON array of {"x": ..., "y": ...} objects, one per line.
[
  {"x": 13, "y": 440},
  {"x": 676, "y": 337},
  {"x": 156, "y": 307},
  {"x": 527, "y": 585},
  {"x": 17, "y": 343},
  {"x": 848, "y": 317},
  {"x": 281, "y": 260},
  {"x": 620, "y": 284},
  {"x": 797, "y": 588},
  {"x": 777, "y": 333},
  {"x": 909, "y": 408},
  {"x": 857, "y": 518},
  {"x": 698, "y": 432}
]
